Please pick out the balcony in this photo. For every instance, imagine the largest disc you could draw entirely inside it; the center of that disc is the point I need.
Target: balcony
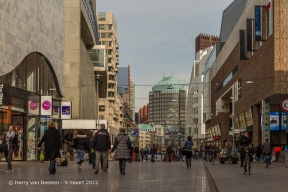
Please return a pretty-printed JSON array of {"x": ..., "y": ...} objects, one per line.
[
  {"x": 117, "y": 45},
  {"x": 111, "y": 89},
  {"x": 112, "y": 81},
  {"x": 115, "y": 116},
  {"x": 117, "y": 54},
  {"x": 111, "y": 98}
]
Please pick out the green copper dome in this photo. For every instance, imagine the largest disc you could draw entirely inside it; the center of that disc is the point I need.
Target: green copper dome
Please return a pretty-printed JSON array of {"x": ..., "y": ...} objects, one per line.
[{"x": 168, "y": 85}]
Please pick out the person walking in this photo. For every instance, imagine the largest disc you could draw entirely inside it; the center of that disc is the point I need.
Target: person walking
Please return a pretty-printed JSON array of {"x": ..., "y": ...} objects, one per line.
[
  {"x": 53, "y": 145},
  {"x": 122, "y": 145},
  {"x": 153, "y": 153},
  {"x": 12, "y": 143},
  {"x": 188, "y": 150},
  {"x": 142, "y": 152},
  {"x": 102, "y": 145},
  {"x": 258, "y": 152},
  {"x": 131, "y": 154},
  {"x": 136, "y": 151},
  {"x": 146, "y": 153},
  {"x": 92, "y": 155},
  {"x": 169, "y": 152},
  {"x": 80, "y": 144}
]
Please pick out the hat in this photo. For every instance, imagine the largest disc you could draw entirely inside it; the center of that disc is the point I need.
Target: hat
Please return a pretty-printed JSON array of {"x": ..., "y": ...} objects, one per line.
[{"x": 81, "y": 133}]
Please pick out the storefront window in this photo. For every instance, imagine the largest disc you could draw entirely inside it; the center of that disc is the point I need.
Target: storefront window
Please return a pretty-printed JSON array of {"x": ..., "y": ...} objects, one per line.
[{"x": 32, "y": 138}]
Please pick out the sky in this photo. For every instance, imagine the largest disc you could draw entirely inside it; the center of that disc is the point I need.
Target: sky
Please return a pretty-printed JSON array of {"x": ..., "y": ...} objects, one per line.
[{"x": 157, "y": 37}]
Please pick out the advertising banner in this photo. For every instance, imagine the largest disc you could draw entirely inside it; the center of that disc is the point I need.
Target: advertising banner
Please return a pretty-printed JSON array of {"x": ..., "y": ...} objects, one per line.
[
  {"x": 258, "y": 33},
  {"x": 46, "y": 105},
  {"x": 66, "y": 110},
  {"x": 134, "y": 133},
  {"x": 33, "y": 107}
]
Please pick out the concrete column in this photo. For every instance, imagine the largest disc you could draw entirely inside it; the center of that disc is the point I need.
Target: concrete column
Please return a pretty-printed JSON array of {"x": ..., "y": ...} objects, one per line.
[{"x": 256, "y": 125}]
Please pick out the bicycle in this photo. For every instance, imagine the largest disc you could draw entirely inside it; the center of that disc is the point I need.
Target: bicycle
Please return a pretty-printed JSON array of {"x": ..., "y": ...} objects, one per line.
[
  {"x": 212, "y": 155},
  {"x": 229, "y": 156},
  {"x": 267, "y": 160},
  {"x": 247, "y": 162}
]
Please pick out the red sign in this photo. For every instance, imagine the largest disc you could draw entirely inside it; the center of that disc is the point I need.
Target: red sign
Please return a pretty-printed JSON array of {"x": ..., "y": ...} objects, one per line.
[
  {"x": 284, "y": 105},
  {"x": 216, "y": 137}
]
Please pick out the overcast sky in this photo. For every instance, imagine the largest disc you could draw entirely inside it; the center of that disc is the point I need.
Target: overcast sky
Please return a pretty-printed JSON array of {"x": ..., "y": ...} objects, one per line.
[{"x": 157, "y": 37}]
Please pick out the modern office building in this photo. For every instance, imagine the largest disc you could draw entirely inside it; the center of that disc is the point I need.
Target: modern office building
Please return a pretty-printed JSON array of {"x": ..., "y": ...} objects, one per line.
[
  {"x": 167, "y": 102},
  {"x": 126, "y": 88},
  {"x": 44, "y": 61},
  {"x": 202, "y": 41},
  {"x": 248, "y": 80},
  {"x": 195, "y": 99}
]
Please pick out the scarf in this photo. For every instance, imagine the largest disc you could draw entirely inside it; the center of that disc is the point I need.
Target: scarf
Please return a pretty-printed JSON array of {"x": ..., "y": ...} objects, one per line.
[{"x": 11, "y": 136}]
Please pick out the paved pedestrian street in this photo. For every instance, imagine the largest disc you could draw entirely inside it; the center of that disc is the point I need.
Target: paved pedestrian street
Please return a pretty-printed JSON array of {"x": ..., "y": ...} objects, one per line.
[
  {"x": 146, "y": 177},
  {"x": 140, "y": 176}
]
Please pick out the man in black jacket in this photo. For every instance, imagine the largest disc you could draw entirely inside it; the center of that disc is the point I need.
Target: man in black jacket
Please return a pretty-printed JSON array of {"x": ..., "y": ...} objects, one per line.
[
  {"x": 244, "y": 141},
  {"x": 101, "y": 146}
]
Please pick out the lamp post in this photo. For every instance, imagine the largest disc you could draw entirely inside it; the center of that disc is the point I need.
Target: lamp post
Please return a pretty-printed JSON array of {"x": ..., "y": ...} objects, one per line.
[{"x": 127, "y": 128}]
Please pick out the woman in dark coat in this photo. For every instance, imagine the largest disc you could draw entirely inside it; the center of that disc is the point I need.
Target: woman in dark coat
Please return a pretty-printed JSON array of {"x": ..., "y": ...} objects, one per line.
[
  {"x": 122, "y": 145},
  {"x": 53, "y": 145}
]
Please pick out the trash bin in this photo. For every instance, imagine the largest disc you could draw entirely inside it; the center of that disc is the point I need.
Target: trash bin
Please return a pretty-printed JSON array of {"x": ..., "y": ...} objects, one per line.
[{"x": 286, "y": 158}]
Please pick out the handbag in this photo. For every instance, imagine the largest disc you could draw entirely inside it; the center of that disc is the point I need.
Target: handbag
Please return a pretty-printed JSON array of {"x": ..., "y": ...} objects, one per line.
[{"x": 3, "y": 147}]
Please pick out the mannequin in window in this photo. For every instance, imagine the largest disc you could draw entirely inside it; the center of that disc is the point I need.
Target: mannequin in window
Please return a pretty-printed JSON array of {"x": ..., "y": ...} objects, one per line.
[{"x": 20, "y": 141}]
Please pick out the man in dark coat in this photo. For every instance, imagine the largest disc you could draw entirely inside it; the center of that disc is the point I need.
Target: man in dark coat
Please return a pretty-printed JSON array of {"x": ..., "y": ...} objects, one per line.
[
  {"x": 102, "y": 145},
  {"x": 169, "y": 152},
  {"x": 244, "y": 141},
  {"x": 53, "y": 145},
  {"x": 136, "y": 150}
]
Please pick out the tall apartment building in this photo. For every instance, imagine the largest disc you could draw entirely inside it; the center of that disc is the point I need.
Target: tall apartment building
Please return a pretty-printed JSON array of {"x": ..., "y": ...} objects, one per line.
[
  {"x": 202, "y": 41},
  {"x": 126, "y": 88},
  {"x": 195, "y": 99},
  {"x": 107, "y": 26},
  {"x": 167, "y": 102}
]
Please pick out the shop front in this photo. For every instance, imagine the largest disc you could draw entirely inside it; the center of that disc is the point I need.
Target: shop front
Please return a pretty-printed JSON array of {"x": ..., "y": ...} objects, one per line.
[{"x": 30, "y": 99}]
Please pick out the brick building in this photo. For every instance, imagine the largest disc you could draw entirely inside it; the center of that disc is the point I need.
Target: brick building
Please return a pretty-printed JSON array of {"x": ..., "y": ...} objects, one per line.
[{"x": 249, "y": 76}]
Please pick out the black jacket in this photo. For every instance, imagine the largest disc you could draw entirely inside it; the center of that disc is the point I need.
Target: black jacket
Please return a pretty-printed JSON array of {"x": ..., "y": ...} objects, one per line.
[
  {"x": 53, "y": 143},
  {"x": 102, "y": 141},
  {"x": 80, "y": 143},
  {"x": 244, "y": 141},
  {"x": 153, "y": 150},
  {"x": 136, "y": 149}
]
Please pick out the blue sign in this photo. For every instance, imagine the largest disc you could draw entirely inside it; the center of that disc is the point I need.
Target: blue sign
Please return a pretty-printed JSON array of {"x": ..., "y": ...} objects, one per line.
[
  {"x": 257, "y": 23},
  {"x": 66, "y": 110},
  {"x": 134, "y": 133},
  {"x": 276, "y": 120}
]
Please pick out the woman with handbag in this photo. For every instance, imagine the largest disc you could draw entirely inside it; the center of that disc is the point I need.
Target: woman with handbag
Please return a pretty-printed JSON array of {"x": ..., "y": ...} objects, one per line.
[
  {"x": 10, "y": 138},
  {"x": 53, "y": 145},
  {"x": 122, "y": 145}
]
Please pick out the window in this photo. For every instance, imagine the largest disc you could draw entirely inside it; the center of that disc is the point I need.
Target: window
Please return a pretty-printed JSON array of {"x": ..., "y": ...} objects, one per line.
[
  {"x": 109, "y": 60},
  {"x": 195, "y": 100},
  {"x": 109, "y": 52},
  {"x": 101, "y": 16},
  {"x": 110, "y": 35},
  {"x": 102, "y": 35},
  {"x": 110, "y": 26},
  {"x": 110, "y": 43},
  {"x": 101, "y": 27},
  {"x": 197, "y": 70}
]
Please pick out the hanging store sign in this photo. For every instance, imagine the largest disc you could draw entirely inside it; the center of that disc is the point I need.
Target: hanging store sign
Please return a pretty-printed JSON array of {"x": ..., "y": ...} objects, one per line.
[
  {"x": 33, "y": 107},
  {"x": 3, "y": 94},
  {"x": 134, "y": 133},
  {"x": 258, "y": 23},
  {"x": 216, "y": 138},
  {"x": 46, "y": 105},
  {"x": 66, "y": 110}
]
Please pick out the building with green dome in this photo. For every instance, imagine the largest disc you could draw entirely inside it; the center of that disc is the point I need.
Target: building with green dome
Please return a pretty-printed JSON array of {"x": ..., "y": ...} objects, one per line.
[{"x": 167, "y": 102}]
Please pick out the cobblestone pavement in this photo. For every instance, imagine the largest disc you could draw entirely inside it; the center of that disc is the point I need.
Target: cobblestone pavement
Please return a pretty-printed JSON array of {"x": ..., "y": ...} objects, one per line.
[
  {"x": 230, "y": 178},
  {"x": 140, "y": 176}
]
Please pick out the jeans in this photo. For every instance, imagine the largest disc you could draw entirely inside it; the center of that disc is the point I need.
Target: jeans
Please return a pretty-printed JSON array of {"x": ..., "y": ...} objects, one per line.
[
  {"x": 146, "y": 156},
  {"x": 80, "y": 156},
  {"x": 104, "y": 155},
  {"x": 8, "y": 156},
  {"x": 153, "y": 157},
  {"x": 52, "y": 165},
  {"x": 122, "y": 165}
]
